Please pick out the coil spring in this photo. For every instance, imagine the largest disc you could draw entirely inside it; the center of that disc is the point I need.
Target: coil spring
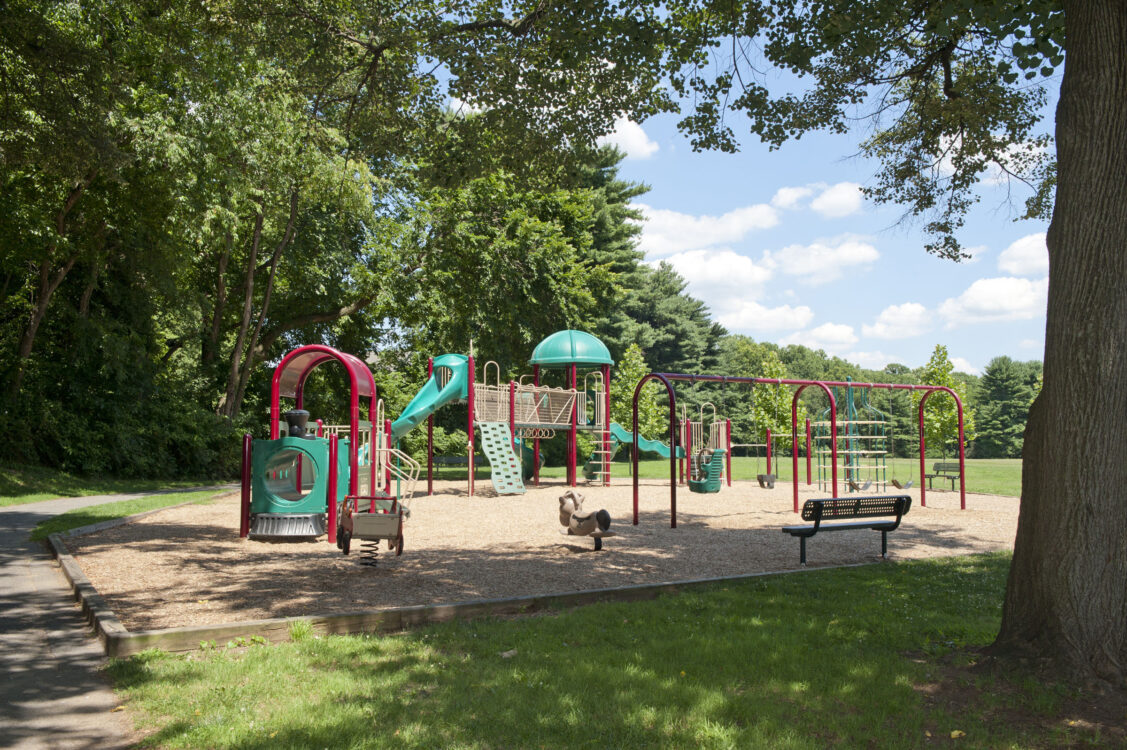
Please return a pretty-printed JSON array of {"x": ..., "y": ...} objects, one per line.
[{"x": 369, "y": 553}]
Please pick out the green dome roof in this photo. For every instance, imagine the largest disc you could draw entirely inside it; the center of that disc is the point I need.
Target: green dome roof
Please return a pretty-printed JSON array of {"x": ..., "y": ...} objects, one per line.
[{"x": 568, "y": 347}]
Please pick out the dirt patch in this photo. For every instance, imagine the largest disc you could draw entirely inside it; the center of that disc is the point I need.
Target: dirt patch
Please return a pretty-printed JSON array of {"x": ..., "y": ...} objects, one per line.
[{"x": 187, "y": 566}]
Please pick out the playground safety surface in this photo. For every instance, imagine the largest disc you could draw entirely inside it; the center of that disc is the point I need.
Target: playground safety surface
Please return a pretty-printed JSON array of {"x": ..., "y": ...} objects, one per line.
[{"x": 187, "y": 566}]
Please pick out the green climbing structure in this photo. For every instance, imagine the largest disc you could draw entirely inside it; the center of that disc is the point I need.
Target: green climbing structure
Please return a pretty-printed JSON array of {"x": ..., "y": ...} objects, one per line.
[{"x": 497, "y": 441}]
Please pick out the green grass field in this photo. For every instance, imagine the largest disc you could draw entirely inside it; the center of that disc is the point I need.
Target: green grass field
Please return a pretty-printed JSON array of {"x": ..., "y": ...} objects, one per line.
[
  {"x": 21, "y": 484},
  {"x": 992, "y": 476},
  {"x": 872, "y": 656},
  {"x": 73, "y": 519}
]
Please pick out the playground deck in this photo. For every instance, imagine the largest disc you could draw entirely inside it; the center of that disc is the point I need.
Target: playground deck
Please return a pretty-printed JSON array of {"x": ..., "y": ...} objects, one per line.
[{"x": 187, "y": 566}]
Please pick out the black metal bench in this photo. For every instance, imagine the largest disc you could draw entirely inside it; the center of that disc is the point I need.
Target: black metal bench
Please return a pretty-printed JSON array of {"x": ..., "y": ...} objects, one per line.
[
  {"x": 875, "y": 506},
  {"x": 943, "y": 471}
]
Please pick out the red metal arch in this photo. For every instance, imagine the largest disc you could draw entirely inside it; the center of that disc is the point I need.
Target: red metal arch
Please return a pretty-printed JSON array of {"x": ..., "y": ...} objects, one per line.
[{"x": 289, "y": 381}]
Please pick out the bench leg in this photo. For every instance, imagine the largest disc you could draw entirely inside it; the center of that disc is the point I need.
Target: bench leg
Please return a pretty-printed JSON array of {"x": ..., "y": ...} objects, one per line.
[
  {"x": 884, "y": 544},
  {"x": 802, "y": 551}
]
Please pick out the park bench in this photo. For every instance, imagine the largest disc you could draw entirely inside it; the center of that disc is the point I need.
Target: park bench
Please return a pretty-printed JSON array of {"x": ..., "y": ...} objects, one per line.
[
  {"x": 877, "y": 508},
  {"x": 943, "y": 470}
]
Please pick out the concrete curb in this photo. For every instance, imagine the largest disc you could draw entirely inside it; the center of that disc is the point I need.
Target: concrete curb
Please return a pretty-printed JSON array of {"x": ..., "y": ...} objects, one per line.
[{"x": 119, "y": 642}]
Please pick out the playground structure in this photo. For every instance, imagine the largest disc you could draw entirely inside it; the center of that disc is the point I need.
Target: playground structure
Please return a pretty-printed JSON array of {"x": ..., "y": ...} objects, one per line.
[
  {"x": 833, "y": 434},
  {"x": 862, "y": 439},
  {"x": 708, "y": 450},
  {"x": 514, "y": 417},
  {"x": 336, "y": 481}
]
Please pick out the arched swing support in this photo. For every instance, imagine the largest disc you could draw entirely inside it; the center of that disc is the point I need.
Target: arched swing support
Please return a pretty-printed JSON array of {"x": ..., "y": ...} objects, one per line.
[
  {"x": 962, "y": 446},
  {"x": 667, "y": 379}
]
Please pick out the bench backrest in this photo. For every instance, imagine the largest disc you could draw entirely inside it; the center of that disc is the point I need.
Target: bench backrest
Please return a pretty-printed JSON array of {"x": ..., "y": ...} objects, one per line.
[
  {"x": 945, "y": 467},
  {"x": 856, "y": 507}
]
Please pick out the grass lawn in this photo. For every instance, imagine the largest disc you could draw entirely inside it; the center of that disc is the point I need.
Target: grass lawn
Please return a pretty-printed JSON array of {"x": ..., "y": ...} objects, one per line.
[
  {"x": 73, "y": 519},
  {"x": 873, "y": 656},
  {"x": 991, "y": 476},
  {"x": 21, "y": 484}
]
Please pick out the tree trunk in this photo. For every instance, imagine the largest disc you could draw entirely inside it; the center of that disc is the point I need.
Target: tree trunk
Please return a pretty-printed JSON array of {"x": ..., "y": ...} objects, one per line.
[
  {"x": 48, "y": 285},
  {"x": 252, "y": 345},
  {"x": 227, "y": 403},
  {"x": 211, "y": 343},
  {"x": 1066, "y": 598}
]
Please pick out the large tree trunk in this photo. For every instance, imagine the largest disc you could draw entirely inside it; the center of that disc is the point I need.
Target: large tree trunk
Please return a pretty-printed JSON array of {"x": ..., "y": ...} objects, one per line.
[
  {"x": 227, "y": 402},
  {"x": 1066, "y": 599},
  {"x": 48, "y": 284}
]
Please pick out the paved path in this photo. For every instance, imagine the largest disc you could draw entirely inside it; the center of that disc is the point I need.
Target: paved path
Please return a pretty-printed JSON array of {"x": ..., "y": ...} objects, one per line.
[{"x": 52, "y": 690}]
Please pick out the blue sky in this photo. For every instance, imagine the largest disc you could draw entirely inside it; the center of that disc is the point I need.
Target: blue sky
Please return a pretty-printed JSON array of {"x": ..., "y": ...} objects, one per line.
[{"x": 782, "y": 247}]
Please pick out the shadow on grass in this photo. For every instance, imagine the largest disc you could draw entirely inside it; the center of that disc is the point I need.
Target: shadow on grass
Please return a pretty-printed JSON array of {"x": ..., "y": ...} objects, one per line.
[{"x": 827, "y": 658}]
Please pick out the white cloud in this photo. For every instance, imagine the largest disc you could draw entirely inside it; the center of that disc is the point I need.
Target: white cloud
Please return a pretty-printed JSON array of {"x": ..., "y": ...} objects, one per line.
[
  {"x": 730, "y": 284},
  {"x": 975, "y": 252},
  {"x": 962, "y": 365},
  {"x": 462, "y": 107},
  {"x": 871, "y": 360},
  {"x": 988, "y": 300},
  {"x": 899, "y": 322},
  {"x": 629, "y": 137},
  {"x": 1015, "y": 157},
  {"x": 716, "y": 274},
  {"x": 822, "y": 262},
  {"x": 1026, "y": 257},
  {"x": 667, "y": 232},
  {"x": 829, "y": 336},
  {"x": 748, "y": 316},
  {"x": 788, "y": 198},
  {"x": 838, "y": 200}
]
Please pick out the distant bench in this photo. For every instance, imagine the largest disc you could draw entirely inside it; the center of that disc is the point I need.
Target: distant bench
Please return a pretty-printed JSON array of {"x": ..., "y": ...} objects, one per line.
[
  {"x": 872, "y": 507},
  {"x": 943, "y": 471}
]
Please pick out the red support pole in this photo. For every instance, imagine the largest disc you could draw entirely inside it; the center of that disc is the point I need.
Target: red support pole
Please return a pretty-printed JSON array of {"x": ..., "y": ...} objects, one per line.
[
  {"x": 808, "y": 451},
  {"x": 606, "y": 425},
  {"x": 833, "y": 432},
  {"x": 331, "y": 491},
  {"x": 672, "y": 444},
  {"x": 513, "y": 415},
  {"x": 430, "y": 437},
  {"x": 470, "y": 420},
  {"x": 923, "y": 461},
  {"x": 244, "y": 505},
  {"x": 728, "y": 447},
  {"x": 572, "y": 447},
  {"x": 320, "y": 428},
  {"x": 536, "y": 441},
  {"x": 768, "y": 450}
]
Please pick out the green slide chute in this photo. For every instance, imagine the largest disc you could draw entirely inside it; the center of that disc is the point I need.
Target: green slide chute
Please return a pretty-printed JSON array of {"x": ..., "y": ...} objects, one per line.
[
  {"x": 619, "y": 435},
  {"x": 432, "y": 396}
]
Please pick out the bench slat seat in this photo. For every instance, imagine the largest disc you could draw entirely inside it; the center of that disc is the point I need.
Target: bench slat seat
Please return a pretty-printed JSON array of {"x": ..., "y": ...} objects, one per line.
[
  {"x": 943, "y": 470},
  {"x": 890, "y": 509}
]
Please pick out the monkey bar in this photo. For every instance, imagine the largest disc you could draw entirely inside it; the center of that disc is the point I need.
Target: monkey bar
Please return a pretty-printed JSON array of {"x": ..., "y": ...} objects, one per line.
[{"x": 668, "y": 378}]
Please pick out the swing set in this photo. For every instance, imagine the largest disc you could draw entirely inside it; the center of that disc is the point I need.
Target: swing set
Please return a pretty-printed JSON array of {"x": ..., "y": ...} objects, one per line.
[{"x": 827, "y": 387}]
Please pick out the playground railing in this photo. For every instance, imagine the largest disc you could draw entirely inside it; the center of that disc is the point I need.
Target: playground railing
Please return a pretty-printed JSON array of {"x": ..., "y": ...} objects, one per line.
[{"x": 534, "y": 405}]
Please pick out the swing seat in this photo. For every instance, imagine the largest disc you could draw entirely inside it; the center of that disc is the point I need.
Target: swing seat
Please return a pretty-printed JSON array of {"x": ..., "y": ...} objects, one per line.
[
  {"x": 767, "y": 481},
  {"x": 860, "y": 487},
  {"x": 712, "y": 470},
  {"x": 906, "y": 485}
]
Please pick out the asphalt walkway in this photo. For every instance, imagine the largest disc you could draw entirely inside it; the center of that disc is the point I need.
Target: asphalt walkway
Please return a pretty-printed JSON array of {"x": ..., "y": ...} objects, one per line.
[{"x": 53, "y": 692}]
